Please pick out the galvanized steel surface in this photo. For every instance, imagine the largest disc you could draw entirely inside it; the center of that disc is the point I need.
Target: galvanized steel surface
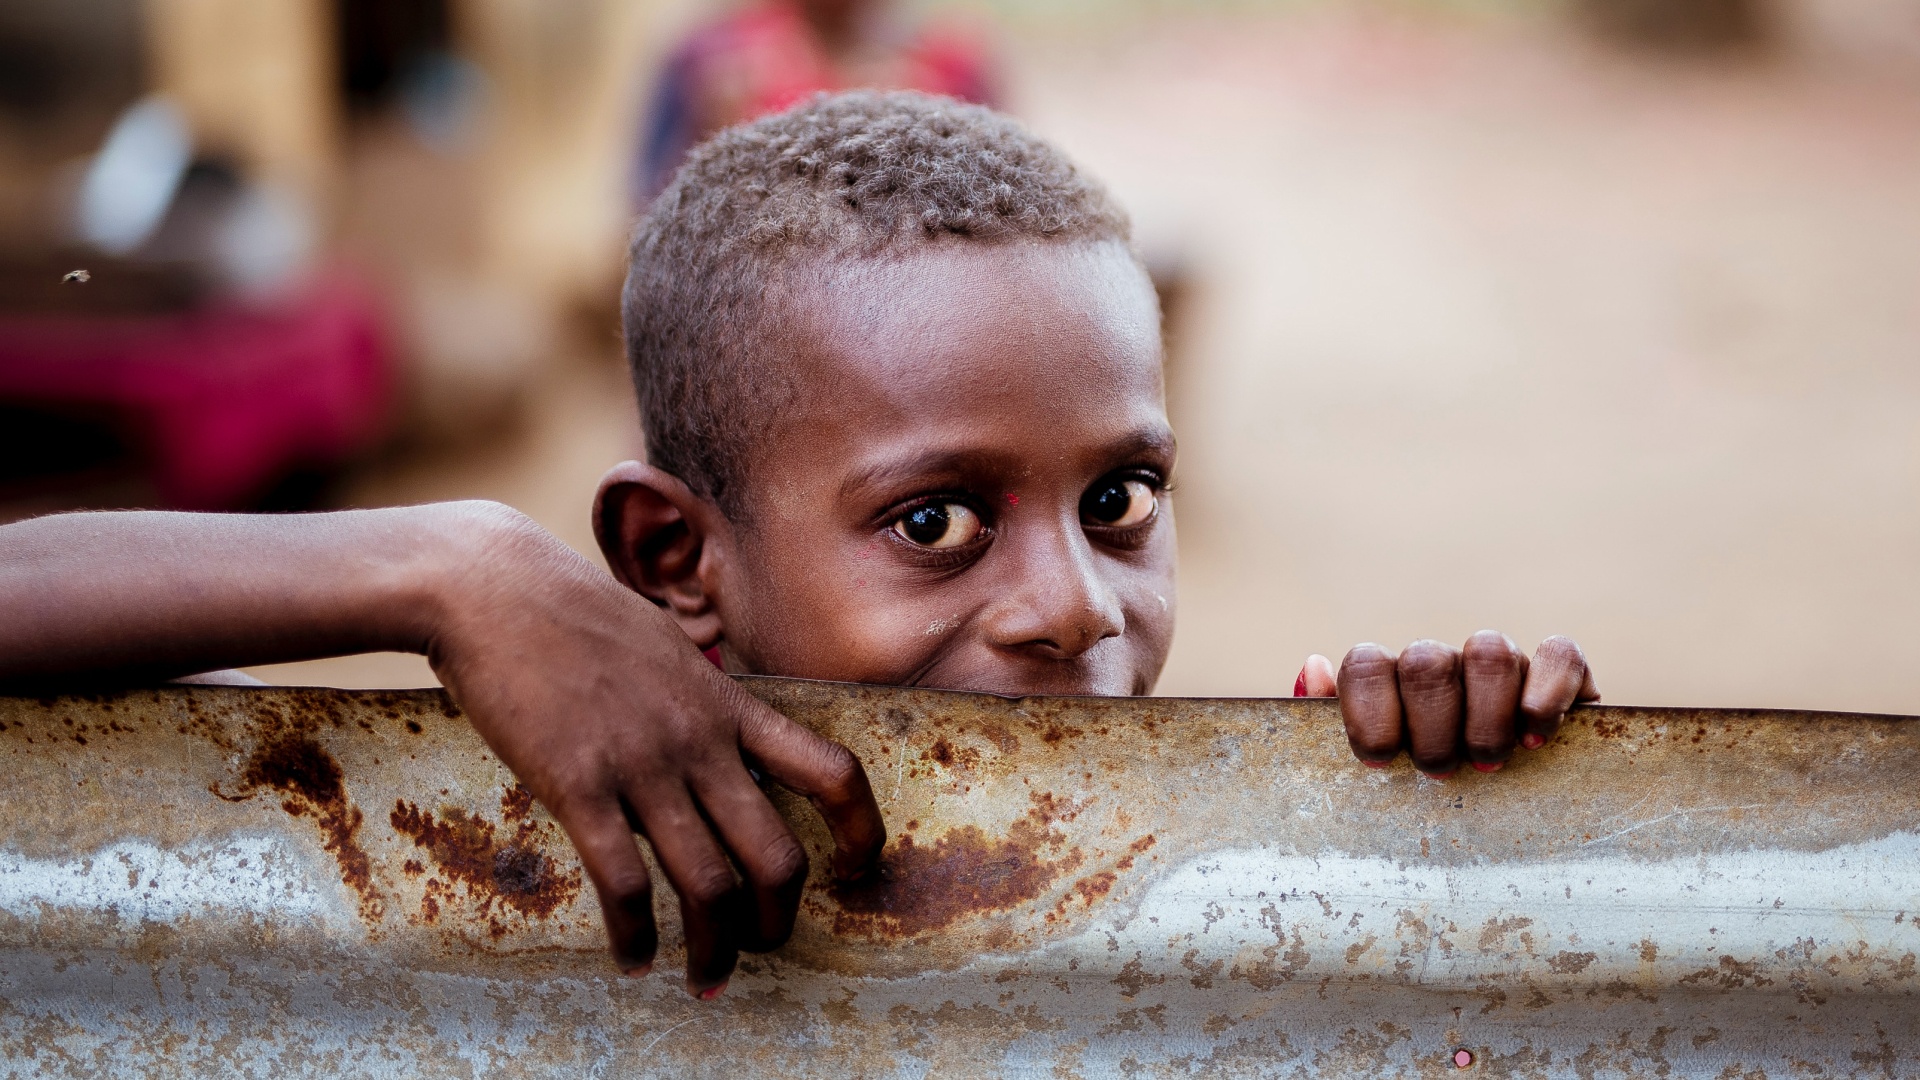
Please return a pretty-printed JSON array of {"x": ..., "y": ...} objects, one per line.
[{"x": 281, "y": 882}]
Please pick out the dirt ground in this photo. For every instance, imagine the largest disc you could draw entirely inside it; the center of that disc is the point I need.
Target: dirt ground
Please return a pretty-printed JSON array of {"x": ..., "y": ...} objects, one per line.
[{"x": 1488, "y": 328}]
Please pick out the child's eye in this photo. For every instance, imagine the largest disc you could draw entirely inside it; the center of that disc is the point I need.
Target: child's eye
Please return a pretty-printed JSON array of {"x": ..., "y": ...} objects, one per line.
[
  {"x": 939, "y": 525},
  {"x": 1119, "y": 504}
]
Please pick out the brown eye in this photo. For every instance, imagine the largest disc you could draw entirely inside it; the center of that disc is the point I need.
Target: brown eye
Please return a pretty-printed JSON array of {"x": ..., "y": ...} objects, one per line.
[
  {"x": 1119, "y": 504},
  {"x": 939, "y": 526}
]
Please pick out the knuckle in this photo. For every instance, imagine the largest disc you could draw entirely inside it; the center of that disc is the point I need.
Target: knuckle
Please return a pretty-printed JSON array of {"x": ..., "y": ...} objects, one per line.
[
  {"x": 1428, "y": 663},
  {"x": 1367, "y": 658},
  {"x": 839, "y": 769},
  {"x": 784, "y": 860},
  {"x": 1559, "y": 649},
  {"x": 1367, "y": 671},
  {"x": 577, "y": 794},
  {"x": 626, "y": 885},
  {"x": 708, "y": 886},
  {"x": 1491, "y": 650}
]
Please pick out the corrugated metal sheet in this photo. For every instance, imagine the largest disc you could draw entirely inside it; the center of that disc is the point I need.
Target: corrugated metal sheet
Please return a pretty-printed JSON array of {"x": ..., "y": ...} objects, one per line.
[{"x": 280, "y": 882}]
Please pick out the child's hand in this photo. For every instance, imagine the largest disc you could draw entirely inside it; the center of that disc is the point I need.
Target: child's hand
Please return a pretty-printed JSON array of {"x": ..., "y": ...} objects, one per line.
[
  {"x": 591, "y": 695},
  {"x": 617, "y": 724},
  {"x": 1441, "y": 703}
]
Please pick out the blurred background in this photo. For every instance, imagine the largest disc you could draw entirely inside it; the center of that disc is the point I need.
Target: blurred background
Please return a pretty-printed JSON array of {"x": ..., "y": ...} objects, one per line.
[{"x": 1599, "y": 317}]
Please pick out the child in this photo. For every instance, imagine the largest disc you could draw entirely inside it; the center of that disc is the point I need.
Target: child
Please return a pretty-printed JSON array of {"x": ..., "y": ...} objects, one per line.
[
  {"x": 900, "y": 378},
  {"x": 768, "y": 55}
]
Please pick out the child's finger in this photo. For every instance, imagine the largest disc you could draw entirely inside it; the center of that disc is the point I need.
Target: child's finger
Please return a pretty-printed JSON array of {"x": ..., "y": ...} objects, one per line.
[
  {"x": 712, "y": 904},
  {"x": 1429, "y": 676},
  {"x": 827, "y": 774},
  {"x": 1370, "y": 703},
  {"x": 772, "y": 861},
  {"x": 1317, "y": 678},
  {"x": 1554, "y": 681},
  {"x": 601, "y": 835},
  {"x": 1494, "y": 668}
]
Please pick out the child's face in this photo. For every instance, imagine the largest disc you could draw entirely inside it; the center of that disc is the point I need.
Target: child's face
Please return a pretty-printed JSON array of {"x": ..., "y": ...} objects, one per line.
[{"x": 967, "y": 489}]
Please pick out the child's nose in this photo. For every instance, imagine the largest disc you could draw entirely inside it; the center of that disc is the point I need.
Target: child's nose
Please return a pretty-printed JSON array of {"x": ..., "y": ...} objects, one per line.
[{"x": 1060, "y": 605}]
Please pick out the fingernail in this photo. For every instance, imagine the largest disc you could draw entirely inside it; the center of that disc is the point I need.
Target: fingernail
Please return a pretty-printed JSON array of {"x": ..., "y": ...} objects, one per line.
[
  {"x": 1488, "y": 766},
  {"x": 1375, "y": 764},
  {"x": 1532, "y": 741},
  {"x": 1300, "y": 684},
  {"x": 712, "y": 992},
  {"x": 637, "y": 971}
]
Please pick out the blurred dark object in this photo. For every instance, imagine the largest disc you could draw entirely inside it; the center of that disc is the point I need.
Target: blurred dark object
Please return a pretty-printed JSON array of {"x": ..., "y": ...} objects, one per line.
[
  {"x": 1679, "y": 24},
  {"x": 382, "y": 42},
  {"x": 776, "y": 53},
  {"x": 215, "y": 403},
  {"x": 66, "y": 66},
  {"x": 51, "y": 447}
]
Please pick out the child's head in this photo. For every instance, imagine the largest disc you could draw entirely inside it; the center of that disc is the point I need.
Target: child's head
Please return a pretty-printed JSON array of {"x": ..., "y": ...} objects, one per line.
[{"x": 899, "y": 374}]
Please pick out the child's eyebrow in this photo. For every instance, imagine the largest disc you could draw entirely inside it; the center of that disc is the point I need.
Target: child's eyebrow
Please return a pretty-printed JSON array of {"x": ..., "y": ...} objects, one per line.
[{"x": 1152, "y": 441}]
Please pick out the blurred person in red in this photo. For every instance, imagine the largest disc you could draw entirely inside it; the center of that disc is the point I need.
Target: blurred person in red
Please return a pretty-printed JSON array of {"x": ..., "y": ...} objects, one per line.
[{"x": 771, "y": 54}]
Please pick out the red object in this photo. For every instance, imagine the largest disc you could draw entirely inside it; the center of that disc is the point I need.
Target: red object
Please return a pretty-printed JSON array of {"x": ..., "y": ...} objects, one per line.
[
  {"x": 766, "y": 57},
  {"x": 713, "y": 657},
  {"x": 1300, "y": 684},
  {"x": 221, "y": 400}
]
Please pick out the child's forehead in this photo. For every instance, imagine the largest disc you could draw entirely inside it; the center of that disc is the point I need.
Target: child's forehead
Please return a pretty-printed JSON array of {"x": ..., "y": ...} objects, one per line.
[
  {"x": 1077, "y": 319},
  {"x": 1007, "y": 356}
]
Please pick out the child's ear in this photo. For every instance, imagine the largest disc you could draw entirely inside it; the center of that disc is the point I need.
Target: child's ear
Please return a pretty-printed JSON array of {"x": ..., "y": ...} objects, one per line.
[{"x": 656, "y": 535}]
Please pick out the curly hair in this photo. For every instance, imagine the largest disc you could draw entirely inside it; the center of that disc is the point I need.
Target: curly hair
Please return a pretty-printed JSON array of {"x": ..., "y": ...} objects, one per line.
[{"x": 848, "y": 176}]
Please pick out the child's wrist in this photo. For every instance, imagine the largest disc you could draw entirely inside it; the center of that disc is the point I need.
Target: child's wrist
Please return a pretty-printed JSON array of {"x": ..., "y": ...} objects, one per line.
[{"x": 485, "y": 558}]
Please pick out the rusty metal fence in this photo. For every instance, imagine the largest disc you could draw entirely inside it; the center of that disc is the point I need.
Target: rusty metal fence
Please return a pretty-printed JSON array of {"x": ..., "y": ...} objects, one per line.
[{"x": 287, "y": 882}]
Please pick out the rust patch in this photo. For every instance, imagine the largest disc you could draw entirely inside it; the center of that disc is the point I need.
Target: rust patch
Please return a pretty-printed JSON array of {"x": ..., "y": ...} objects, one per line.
[
  {"x": 516, "y": 804},
  {"x": 919, "y": 888},
  {"x": 1134, "y": 977},
  {"x": 512, "y": 874},
  {"x": 310, "y": 783},
  {"x": 1057, "y": 732},
  {"x": 1495, "y": 931},
  {"x": 949, "y": 756},
  {"x": 1049, "y": 808},
  {"x": 1731, "y": 974},
  {"x": 1570, "y": 963},
  {"x": 1094, "y": 886},
  {"x": 998, "y": 734}
]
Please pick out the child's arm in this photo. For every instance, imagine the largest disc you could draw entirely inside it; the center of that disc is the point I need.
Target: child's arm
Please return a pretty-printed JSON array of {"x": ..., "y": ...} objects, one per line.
[
  {"x": 1440, "y": 703},
  {"x": 592, "y": 696}
]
